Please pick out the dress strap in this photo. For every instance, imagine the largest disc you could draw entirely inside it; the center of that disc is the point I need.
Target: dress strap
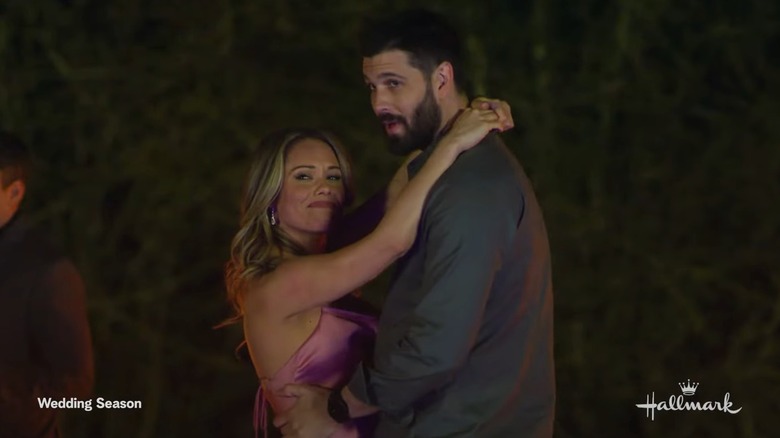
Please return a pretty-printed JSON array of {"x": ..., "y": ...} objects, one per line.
[{"x": 260, "y": 417}]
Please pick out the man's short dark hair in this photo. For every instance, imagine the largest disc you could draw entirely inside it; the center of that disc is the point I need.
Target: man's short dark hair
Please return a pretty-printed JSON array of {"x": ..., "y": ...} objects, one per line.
[
  {"x": 14, "y": 159},
  {"x": 427, "y": 37}
]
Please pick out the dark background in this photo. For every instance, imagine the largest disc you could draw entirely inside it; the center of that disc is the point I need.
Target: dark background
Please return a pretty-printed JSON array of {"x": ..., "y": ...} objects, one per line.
[{"x": 645, "y": 125}]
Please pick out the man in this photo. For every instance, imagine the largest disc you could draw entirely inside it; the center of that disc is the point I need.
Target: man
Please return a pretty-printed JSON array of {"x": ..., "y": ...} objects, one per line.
[
  {"x": 465, "y": 343},
  {"x": 45, "y": 344}
]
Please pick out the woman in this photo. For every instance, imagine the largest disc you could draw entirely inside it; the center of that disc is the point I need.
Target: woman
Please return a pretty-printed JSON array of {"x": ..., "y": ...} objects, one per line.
[{"x": 281, "y": 281}]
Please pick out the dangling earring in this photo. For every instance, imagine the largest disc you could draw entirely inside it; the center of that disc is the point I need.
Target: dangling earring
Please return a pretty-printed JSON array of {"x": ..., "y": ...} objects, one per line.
[{"x": 272, "y": 216}]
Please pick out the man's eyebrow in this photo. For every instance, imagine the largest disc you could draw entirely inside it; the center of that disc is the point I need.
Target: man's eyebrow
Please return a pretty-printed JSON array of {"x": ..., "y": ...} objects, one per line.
[{"x": 385, "y": 75}]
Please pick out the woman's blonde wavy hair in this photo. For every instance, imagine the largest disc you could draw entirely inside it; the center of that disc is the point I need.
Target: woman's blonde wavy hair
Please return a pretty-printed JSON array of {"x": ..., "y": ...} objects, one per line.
[{"x": 258, "y": 246}]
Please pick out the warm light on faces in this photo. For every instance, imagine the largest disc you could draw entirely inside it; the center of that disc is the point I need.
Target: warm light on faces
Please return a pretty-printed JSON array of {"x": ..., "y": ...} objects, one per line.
[
  {"x": 312, "y": 190},
  {"x": 402, "y": 99}
]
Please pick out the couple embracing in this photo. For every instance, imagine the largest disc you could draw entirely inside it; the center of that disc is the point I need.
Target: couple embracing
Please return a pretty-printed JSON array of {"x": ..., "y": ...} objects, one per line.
[{"x": 464, "y": 343}]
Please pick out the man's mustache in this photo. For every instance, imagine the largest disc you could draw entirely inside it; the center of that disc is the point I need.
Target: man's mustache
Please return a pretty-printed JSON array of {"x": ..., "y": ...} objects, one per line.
[{"x": 387, "y": 118}]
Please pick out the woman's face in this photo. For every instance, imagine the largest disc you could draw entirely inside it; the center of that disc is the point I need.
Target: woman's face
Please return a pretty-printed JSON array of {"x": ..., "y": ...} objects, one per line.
[{"x": 312, "y": 190}]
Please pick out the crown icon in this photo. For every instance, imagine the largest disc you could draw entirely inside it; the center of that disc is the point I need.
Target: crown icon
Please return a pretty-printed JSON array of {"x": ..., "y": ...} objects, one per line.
[{"x": 689, "y": 388}]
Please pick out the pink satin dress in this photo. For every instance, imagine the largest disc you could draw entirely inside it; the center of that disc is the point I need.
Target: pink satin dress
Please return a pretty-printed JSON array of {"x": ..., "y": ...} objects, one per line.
[{"x": 327, "y": 358}]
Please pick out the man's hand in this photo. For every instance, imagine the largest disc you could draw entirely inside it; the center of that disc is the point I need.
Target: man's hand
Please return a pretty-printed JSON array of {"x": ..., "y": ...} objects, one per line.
[
  {"x": 501, "y": 108},
  {"x": 308, "y": 418}
]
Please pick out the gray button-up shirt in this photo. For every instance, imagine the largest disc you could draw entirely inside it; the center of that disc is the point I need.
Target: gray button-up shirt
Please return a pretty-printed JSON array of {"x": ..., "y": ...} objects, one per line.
[{"x": 465, "y": 344}]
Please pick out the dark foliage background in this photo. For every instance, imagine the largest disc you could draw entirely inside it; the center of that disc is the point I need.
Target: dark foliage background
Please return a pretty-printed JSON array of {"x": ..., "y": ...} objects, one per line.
[{"x": 646, "y": 126}]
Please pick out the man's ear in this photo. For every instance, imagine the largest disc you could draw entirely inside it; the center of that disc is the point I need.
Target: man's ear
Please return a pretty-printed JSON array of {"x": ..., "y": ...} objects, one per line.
[
  {"x": 16, "y": 190},
  {"x": 444, "y": 79}
]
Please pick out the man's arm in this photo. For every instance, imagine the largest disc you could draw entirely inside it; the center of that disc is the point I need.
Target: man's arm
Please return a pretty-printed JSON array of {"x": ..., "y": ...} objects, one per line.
[
  {"x": 466, "y": 231},
  {"x": 61, "y": 335}
]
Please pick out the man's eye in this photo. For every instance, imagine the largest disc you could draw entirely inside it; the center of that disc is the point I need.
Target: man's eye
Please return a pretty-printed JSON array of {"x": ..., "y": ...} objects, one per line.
[
  {"x": 393, "y": 84},
  {"x": 371, "y": 87}
]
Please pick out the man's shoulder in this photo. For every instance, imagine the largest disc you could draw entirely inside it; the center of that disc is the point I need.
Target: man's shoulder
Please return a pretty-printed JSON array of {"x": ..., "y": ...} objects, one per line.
[
  {"x": 488, "y": 168},
  {"x": 32, "y": 260},
  {"x": 33, "y": 246},
  {"x": 489, "y": 162},
  {"x": 484, "y": 184}
]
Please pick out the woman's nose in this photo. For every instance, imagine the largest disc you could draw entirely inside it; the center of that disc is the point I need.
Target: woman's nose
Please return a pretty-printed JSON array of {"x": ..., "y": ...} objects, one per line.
[{"x": 324, "y": 188}]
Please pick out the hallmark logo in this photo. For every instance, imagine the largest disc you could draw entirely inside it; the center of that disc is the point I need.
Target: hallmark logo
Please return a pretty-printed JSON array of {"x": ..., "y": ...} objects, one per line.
[
  {"x": 689, "y": 389},
  {"x": 678, "y": 402}
]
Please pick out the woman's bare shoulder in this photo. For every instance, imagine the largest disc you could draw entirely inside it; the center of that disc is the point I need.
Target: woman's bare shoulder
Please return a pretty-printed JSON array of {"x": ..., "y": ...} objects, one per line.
[{"x": 266, "y": 294}]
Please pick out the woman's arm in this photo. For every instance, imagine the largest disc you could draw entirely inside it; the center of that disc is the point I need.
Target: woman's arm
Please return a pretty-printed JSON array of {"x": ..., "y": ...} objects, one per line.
[
  {"x": 361, "y": 221},
  {"x": 312, "y": 281},
  {"x": 399, "y": 181},
  {"x": 358, "y": 223}
]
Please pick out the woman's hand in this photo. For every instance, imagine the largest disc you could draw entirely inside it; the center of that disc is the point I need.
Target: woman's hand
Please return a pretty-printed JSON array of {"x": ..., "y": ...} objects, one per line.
[
  {"x": 471, "y": 126},
  {"x": 502, "y": 109}
]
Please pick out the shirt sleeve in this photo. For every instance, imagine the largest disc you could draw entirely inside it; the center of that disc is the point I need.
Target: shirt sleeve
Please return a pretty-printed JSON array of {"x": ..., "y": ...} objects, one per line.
[
  {"x": 465, "y": 233},
  {"x": 60, "y": 334}
]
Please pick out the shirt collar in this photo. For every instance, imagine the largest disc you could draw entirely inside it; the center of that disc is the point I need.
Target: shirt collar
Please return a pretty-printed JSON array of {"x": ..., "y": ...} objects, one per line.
[{"x": 13, "y": 229}]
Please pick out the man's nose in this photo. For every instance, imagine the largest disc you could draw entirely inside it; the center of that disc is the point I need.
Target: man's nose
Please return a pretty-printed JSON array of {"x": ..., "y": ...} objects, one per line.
[{"x": 380, "y": 102}]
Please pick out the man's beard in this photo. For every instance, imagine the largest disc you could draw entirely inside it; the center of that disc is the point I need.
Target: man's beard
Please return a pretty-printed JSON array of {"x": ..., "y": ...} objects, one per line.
[{"x": 422, "y": 129}]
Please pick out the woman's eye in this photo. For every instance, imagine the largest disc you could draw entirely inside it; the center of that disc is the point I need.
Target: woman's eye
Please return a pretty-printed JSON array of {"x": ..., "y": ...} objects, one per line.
[
  {"x": 335, "y": 177},
  {"x": 302, "y": 176}
]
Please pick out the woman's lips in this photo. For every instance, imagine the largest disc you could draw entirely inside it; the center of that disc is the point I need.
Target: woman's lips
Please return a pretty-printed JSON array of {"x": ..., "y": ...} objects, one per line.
[{"x": 322, "y": 204}]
